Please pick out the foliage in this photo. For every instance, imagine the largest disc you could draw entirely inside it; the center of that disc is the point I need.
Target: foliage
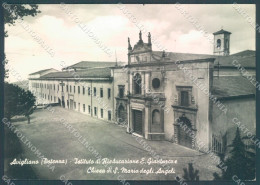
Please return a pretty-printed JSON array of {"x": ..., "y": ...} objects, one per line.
[
  {"x": 190, "y": 174},
  {"x": 12, "y": 12},
  {"x": 240, "y": 161},
  {"x": 17, "y": 101}
]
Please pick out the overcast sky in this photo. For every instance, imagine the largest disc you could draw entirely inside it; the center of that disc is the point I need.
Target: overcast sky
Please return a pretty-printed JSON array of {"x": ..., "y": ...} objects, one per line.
[{"x": 112, "y": 25}]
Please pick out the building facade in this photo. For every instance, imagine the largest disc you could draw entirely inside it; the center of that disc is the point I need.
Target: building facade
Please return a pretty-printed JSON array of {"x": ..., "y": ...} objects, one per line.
[{"x": 161, "y": 95}]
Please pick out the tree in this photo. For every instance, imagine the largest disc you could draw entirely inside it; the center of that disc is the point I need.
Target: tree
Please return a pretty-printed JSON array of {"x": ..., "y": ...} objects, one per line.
[
  {"x": 190, "y": 174},
  {"x": 12, "y": 12},
  {"x": 240, "y": 161},
  {"x": 10, "y": 100},
  {"x": 27, "y": 100},
  {"x": 251, "y": 159},
  {"x": 18, "y": 102}
]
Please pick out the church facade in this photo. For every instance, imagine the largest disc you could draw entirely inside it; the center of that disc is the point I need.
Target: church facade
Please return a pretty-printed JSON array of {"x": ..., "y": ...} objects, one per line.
[{"x": 180, "y": 97}]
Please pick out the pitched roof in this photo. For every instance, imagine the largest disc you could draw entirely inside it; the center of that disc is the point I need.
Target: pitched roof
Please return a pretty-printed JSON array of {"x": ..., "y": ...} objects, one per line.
[
  {"x": 245, "y": 58},
  {"x": 94, "y": 64},
  {"x": 232, "y": 86},
  {"x": 157, "y": 55},
  {"x": 90, "y": 73},
  {"x": 227, "y": 61},
  {"x": 245, "y": 53},
  {"x": 41, "y": 71},
  {"x": 221, "y": 31}
]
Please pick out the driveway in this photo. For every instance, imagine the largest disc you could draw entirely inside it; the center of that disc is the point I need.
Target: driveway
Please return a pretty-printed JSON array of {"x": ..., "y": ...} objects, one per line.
[{"x": 109, "y": 140}]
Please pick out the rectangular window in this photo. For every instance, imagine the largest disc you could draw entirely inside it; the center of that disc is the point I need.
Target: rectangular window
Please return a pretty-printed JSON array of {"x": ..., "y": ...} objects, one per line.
[
  {"x": 89, "y": 109},
  {"x": 74, "y": 89},
  {"x": 75, "y": 105},
  {"x": 83, "y": 90},
  {"x": 55, "y": 99},
  {"x": 79, "y": 89},
  {"x": 67, "y": 88},
  {"x": 101, "y": 92},
  {"x": 79, "y": 107},
  {"x": 121, "y": 89},
  {"x": 101, "y": 113},
  {"x": 88, "y": 90},
  {"x": 54, "y": 87},
  {"x": 95, "y": 111},
  {"x": 95, "y": 91},
  {"x": 184, "y": 98},
  {"x": 58, "y": 87},
  {"x": 108, "y": 93},
  {"x": 84, "y": 108},
  {"x": 70, "y": 88},
  {"x": 109, "y": 115},
  {"x": 51, "y": 98},
  {"x": 48, "y": 97}
]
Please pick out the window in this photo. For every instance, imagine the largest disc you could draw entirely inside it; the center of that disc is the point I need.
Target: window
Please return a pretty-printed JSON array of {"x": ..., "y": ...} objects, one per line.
[
  {"x": 67, "y": 88},
  {"x": 137, "y": 82},
  {"x": 54, "y": 98},
  {"x": 156, "y": 83},
  {"x": 45, "y": 96},
  {"x": 95, "y": 111},
  {"x": 48, "y": 97},
  {"x": 88, "y": 90},
  {"x": 75, "y": 105},
  {"x": 101, "y": 113},
  {"x": 83, "y": 90},
  {"x": 74, "y": 89},
  {"x": 109, "y": 115},
  {"x": 51, "y": 98},
  {"x": 70, "y": 88},
  {"x": 78, "y": 106},
  {"x": 68, "y": 103},
  {"x": 54, "y": 87},
  {"x": 79, "y": 89},
  {"x": 121, "y": 89},
  {"x": 84, "y": 108},
  {"x": 101, "y": 92},
  {"x": 108, "y": 93},
  {"x": 58, "y": 87},
  {"x": 184, "y": 98},
  {"x": 95, "y": 91},
  {"x": 156, "y": 117},
  {"x": 89, "y": 109},
  {"x": 218, "y": 43}
]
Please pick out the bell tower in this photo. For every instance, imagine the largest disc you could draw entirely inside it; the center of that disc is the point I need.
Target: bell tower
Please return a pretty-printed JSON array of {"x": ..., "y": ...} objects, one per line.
[{"x": 221, "y": 42}]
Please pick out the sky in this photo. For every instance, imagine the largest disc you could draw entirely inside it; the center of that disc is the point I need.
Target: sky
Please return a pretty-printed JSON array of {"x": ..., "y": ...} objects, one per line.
[{"x": 68, "y": 34}]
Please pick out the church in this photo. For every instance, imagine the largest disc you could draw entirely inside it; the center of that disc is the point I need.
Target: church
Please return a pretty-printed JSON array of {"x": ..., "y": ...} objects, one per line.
[{"x": 161, "y": 95}]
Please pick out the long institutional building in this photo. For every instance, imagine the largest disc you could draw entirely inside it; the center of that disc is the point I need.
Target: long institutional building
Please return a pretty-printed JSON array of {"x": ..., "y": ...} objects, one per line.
[{"x": 161, "y": 95}]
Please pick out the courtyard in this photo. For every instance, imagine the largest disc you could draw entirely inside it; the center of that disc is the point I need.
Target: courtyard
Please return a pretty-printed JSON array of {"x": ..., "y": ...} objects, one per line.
[{"x": 55, "y": 141}]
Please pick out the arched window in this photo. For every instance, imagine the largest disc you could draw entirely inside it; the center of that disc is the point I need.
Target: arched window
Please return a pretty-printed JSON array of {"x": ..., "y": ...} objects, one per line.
[
  {"x": 137, "y": 83},
  {"x": 156, "y": 117},
  {"x": 218, "y": 43}
]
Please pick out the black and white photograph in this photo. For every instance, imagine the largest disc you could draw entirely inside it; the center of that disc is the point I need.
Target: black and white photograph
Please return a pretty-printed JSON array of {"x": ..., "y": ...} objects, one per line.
[{"x": 158, "y": 92}]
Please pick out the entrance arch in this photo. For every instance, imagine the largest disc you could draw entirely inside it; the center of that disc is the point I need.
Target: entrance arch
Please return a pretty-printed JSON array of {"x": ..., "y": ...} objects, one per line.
[{"x": 184, "y": 131}]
